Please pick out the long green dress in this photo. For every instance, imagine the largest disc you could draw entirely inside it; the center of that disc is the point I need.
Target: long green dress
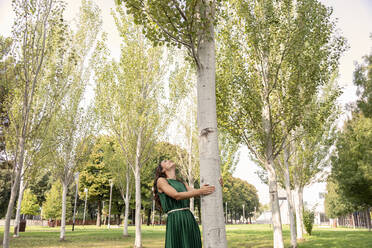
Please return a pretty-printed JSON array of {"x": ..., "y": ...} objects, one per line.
[{"x": 182, "y": 228}]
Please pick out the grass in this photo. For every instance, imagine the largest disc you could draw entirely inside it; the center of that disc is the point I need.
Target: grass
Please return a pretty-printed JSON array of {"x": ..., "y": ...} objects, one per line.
[{"x": 239, "y": 236}]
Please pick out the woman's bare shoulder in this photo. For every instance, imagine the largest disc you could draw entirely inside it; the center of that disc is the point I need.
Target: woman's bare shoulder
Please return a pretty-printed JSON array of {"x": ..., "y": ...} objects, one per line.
[{"x": 161, "y": 181}]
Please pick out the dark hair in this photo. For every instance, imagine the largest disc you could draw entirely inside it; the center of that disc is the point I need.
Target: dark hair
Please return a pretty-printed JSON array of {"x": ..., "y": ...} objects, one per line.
[{"x": 158, "y": 173}]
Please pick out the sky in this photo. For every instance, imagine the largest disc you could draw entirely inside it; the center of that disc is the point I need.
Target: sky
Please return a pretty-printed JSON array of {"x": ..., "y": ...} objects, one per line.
[{"x": 354, "y": 23}]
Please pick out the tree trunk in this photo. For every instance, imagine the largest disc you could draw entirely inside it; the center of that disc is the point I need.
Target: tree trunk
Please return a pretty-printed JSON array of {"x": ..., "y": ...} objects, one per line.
[
  {"x": 270, "y": 168},
  {"x": 138, "y": 238},
  {"x": 22, "y": 188},
  {"x": 301, "y": 206},
  {"x": 192, "y": 202},
  {"x": 190, "y": 167},
  {"x": 289, "y": 200},
  {"x": 299, "y": 229},
  {"x": 148, "y": 216},
  {"x": 353, "y": 220},
  {"x": 368, "y": 219},
  {"x": 63, "y": 218},
  {"x": 99, "y": 210},
  {"x": 214, "y": 232},
  {"x": 126, "y": 211},
  {"x": 13, "y": 194},
  {"x": 153, "y": 212},
  {"x": 137, "y": 178},
  {"x": 275, "y": 209}
]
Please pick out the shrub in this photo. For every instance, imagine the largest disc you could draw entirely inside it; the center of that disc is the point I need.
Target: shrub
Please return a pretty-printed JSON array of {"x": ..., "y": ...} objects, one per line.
[{"x": 309, "y": 217}]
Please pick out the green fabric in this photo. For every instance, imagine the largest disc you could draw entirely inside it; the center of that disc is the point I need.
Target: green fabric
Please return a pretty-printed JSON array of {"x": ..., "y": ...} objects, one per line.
[{"x": 182, "y": 228}]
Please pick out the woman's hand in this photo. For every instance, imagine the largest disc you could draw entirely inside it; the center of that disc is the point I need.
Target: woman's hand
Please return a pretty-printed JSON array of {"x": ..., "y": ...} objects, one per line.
[{"x": 206, "y": 189}]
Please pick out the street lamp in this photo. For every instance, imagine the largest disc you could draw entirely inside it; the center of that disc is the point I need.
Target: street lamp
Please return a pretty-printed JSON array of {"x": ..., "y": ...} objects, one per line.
[
  {"x": 85, "y": 205},
  {"x": 109, "y": 217},
  {"x": 76, "y": 192}
]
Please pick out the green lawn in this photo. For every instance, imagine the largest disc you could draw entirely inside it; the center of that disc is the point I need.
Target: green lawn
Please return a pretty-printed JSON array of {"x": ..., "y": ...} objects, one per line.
[{"x": 239, "y": 236}]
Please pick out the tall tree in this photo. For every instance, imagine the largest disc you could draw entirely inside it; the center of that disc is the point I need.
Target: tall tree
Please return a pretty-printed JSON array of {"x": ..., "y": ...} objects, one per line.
[
  {"x": 190, "y": 24},
  {"x": 115, "y": 162},
  {"x": 128, "y": 99},
  {"x": 52, "y": 206},
  {"x": 95, "y": 176},
  {"x": 271, "y": 65},
  {"x": 351, "y": 165},
  {"x": 183, "y": 82},
  {"x": 363, "y": 80},
  {"x": 34, "y": 23},
  {"x": 29, "y": 203},
  {"x": 334, "y": 203},
  {"x": 72, "y": 125}
]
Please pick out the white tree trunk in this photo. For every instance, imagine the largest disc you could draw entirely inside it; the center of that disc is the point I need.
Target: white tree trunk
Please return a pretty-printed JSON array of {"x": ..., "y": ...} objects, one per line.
[
  {"x": 270, "y": 168},
  {"x": 301, "y": 208},
  {"x": 190, "y": 169},
  {"x": 289, "y": 200},
  {"x": 192, "y": 202},
  {"x": 63, "y": 217},
  {"x": 13, "y": 194},
  {"x": 137, "y": 178},
  {"x": 22, "y": 188},
  {"x": 291, "y": 213},
  {"x": 214, "y": 233},
  {"x": 275, "y": 209},
  {"x": 126, "y": 211},
  {"x": 297, "y": 211},
  {"x": 298, "y": 208}
]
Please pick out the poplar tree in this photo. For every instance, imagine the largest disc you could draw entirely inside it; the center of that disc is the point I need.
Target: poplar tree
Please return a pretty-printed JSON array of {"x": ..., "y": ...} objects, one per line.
[
  {"x": 190, "y": 24},
  {"x": 273, "y": 58},
  {"x": 128, "y": 100},
  {"x": 35, "y": 22}
]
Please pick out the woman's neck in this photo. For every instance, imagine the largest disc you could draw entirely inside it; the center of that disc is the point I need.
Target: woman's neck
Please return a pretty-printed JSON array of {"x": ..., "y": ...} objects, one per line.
[{"x": 171, "y": 174}]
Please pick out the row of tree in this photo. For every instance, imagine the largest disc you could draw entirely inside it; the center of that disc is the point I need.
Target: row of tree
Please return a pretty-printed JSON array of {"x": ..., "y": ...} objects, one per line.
[
  {"x": 275, "y": 93},
  {"x": 94, "y": 186},
  {"x": 349, "y": 185}
]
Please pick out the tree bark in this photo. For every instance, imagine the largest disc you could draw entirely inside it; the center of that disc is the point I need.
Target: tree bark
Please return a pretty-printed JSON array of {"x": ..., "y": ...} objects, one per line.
[
  {"x": 214, "y": 232},
  {"x": 289, "y": 200},
  {"x": 148, "y": 216},
  {"x": 22, "y": 188},
  {"x": 126, "y": 211},
  {"x": 63, "y": 218},
  {"x": 299, "y": 229},
  {"x": 368, "y": 219},
  {"x": 192, "y": 200},
  {"x": 301, "y": 206},
  {"x": 99, "y": 210},
  {"x": 13, "y": 193},
  {"x": 137, "y": 176},
  {"x": 353, "y": 219},
  {"x": 270, "y": 168},
  {"x": 275, "y": 209}
]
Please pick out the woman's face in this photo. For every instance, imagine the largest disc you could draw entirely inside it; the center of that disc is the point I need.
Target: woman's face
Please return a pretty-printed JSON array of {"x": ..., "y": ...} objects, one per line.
[{"x": 167, "y": 165}]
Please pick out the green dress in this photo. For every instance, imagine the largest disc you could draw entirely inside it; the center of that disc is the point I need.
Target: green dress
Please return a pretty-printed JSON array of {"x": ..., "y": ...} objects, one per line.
[{"x": 182, "y": 229}]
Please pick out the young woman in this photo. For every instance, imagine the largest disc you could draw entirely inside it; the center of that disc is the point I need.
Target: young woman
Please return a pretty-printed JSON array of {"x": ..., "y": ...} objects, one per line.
[{"x": 172, "y": 196}]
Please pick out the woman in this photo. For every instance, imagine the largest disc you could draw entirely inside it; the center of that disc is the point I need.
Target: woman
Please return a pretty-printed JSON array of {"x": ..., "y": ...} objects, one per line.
[{"x": 172, "y": 196}]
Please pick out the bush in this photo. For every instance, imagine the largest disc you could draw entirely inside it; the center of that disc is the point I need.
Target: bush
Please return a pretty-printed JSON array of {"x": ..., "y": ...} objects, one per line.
[{"x": 309, "y": 217}]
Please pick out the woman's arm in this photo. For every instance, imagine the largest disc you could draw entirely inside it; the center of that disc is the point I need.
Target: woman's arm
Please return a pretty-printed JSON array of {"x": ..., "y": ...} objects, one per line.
[{"x": 163, "y": 186}]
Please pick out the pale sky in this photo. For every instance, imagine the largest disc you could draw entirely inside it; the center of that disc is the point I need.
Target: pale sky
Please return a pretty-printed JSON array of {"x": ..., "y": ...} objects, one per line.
[{"x": 354, "y": 23}]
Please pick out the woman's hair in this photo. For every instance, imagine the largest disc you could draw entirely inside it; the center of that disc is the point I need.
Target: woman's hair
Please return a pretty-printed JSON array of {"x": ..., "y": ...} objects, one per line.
[{"x": 158, "y": 173}]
